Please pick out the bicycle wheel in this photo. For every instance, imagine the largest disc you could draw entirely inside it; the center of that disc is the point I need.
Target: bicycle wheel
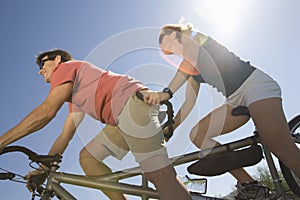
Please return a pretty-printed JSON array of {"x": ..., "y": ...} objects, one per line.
[{"x": 292, "y": 180}]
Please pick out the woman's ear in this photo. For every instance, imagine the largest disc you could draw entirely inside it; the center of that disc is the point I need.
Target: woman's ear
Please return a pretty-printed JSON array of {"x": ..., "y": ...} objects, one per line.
[{"x": 174, "y": 35}]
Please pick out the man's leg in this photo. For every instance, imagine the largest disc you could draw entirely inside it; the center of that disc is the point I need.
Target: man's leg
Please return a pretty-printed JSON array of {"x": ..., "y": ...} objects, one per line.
[
  {"x": 165, "y": 179},
  {"x": 95, "y": 167},
  {"x": 107, "y": 143},
  {"x": 141, "y": 129}
]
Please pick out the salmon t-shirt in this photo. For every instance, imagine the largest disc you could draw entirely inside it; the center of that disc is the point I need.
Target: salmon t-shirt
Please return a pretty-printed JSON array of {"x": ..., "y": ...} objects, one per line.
[{"x": 97, "y": 92}]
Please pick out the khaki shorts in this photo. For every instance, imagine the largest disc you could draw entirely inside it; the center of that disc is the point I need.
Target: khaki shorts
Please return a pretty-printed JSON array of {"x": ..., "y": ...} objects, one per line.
[
  {"x": 141, "y": 129},
  {"x": 257, "y": 87},
  {"x": 112, "y": 139},
  {"x": 138, "y": 130}
]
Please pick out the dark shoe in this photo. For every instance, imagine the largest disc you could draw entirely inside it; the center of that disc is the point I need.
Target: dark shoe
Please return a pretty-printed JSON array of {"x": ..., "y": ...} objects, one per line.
[{"x": 252, "y": 190}]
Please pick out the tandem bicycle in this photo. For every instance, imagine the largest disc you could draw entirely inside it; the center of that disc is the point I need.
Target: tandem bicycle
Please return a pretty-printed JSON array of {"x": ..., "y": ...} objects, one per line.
[{"x": 248, "y": 151}]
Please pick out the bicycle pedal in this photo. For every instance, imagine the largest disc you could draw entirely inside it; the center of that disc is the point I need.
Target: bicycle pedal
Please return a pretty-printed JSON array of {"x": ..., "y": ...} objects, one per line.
[{"x": 252, "y": 190}]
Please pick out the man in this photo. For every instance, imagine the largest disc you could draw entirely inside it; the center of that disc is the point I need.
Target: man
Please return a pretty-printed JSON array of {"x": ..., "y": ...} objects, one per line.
[{"x": 110, "y": 98}]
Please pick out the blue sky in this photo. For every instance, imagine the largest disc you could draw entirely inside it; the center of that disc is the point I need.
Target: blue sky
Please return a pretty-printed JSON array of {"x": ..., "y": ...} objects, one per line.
[{"x": 264, "y": 32}]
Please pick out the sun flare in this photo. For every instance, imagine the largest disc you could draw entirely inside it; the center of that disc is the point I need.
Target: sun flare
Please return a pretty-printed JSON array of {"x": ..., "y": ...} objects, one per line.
[{"x": 223, "y": 14}]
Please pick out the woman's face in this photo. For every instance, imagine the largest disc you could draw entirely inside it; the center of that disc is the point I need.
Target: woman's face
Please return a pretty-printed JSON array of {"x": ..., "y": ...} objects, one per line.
[{"x": 170, "y": 44}]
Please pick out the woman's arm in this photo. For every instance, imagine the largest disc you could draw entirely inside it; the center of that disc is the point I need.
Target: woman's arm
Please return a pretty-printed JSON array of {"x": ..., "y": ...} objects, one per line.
[
  {"x": 179, "y": 79},
  {"x": 191, "y": 94}
]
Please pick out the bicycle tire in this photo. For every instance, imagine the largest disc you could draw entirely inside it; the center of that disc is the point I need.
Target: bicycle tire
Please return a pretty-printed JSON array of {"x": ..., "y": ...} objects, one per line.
[{"x": 291, "y": 179}]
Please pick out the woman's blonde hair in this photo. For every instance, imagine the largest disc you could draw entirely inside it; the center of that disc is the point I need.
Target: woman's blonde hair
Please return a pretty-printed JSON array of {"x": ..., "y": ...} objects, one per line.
[{"x": 178, "y": 28}]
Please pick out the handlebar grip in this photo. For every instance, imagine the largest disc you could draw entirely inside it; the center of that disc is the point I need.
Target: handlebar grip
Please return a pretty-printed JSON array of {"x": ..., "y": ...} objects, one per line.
[
  {"x": 139, "y": 95},
  {"x": 170, "y": 113},
  {"x": 5, "y": 176},
  {"x": 49, "y": 158},
  {"x": 43, "y": 159}
]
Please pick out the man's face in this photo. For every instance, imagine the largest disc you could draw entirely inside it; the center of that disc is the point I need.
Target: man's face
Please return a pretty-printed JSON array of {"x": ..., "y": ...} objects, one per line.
[{"x": 46, "y": 67}]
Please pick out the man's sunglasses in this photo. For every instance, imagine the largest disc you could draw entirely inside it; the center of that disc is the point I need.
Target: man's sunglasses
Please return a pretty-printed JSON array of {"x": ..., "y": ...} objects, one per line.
[{"x": 43, "y": 62}]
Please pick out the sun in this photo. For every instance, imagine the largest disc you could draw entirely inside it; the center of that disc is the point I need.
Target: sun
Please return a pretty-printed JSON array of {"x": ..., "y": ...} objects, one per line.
[{"x": 223, "y": 14}]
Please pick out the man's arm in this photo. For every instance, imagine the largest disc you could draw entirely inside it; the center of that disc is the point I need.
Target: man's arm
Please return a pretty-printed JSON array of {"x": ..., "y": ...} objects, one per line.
[
  {"x": 40, "y": 116},
  {"x": 59, "y": 146},
  {"x": 72, "y": 122}
]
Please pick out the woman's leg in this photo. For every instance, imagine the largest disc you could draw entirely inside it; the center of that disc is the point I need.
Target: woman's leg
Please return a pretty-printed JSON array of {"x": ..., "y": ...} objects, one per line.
[
  {"x": 218, "y": 122},
  {"x": 273, "y": 129}
]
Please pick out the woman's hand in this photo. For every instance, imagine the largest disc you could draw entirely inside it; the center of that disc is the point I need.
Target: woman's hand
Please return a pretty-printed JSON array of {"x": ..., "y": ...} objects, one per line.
[{"x": 153, "y": 98}]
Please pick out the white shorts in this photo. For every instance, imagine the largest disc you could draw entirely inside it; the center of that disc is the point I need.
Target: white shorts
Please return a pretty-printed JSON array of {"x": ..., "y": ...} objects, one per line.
[{"x": 257, "y": 87}]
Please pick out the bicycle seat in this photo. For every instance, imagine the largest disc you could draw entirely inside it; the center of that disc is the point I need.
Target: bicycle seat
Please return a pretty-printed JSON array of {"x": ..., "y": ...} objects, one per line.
[
  {"x": 221, "y": 163},
  {"x": 240, "y": 110}
]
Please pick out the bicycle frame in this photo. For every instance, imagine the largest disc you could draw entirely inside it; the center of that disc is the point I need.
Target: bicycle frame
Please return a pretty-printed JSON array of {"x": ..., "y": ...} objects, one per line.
[{"x": 110, "y": 181}]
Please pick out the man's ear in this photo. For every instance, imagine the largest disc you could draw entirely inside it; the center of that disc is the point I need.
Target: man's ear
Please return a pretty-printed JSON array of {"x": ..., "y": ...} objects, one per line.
[{"x": 58, "y": 59}]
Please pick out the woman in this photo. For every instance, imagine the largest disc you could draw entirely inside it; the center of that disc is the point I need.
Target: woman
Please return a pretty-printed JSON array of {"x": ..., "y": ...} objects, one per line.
[{"x": 206, "y": 61}]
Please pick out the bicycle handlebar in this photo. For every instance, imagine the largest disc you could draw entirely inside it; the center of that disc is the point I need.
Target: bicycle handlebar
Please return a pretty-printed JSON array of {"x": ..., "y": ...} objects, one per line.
[
  {"x": 170, "y": 113},
  {"x": 7, "y": 175},
  {"x": 43, "y": 159}
]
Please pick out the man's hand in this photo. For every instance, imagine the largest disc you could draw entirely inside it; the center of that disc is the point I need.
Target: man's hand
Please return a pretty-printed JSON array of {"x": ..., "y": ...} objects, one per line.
[
  {"x": 153, "y": 98},
  {"x": 35, "y": 179}
]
